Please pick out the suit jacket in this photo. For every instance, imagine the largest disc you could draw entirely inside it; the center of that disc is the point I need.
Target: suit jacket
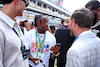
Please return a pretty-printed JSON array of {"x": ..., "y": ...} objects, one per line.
[
  {"x": 85, "y": 51},
  {"x": 63, "y": 37}
]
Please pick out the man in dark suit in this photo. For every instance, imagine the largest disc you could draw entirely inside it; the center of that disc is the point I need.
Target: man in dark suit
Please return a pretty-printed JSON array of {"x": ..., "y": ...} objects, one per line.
[{"x": 63, "y": 37}]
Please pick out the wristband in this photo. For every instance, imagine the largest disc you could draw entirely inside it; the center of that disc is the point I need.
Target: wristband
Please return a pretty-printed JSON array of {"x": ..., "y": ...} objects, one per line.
[{"x": 57, "y": 54}]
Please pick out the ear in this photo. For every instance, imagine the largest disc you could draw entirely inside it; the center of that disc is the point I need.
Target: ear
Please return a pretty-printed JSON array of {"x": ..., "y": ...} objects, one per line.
[
  {"x": 74, "y": 23},
  {"x": 16, "y": 2}
]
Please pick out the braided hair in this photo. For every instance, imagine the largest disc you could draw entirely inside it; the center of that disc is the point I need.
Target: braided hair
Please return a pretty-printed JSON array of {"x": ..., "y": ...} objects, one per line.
[{"x": 38, "y": 17}]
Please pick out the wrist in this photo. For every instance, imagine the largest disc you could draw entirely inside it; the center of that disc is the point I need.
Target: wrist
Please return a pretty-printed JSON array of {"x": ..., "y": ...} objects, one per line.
[
  {"x": 57, "y": 54},
  {"x": 30, "y": 58}
]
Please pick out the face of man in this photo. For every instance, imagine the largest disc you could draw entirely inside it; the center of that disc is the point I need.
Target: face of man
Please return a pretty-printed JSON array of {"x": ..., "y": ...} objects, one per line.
[
  {"x": 94, "y": 13},
  {"x": 42, "y": 24},
  {"x": 70, "y": 25},
  {"x": 20, "y": 7}
]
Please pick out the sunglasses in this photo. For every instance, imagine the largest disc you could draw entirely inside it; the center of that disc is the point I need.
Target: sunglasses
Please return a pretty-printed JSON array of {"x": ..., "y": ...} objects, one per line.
[{"x": 26, "y": 2}]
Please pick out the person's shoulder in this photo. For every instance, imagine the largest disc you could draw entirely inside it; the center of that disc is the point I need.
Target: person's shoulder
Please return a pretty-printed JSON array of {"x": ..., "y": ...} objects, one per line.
[
  {"x": 75, "y": 50},
  {"x": 78, "y": 46},
  {"x": 85, "y": 44},
  {"x": 2, "y": 24},
  {"x": 4, "y": 27},
  {"x": 30, "y": 32},
  {"x": 49, "y": 34},
  {"x": 62, "y": 31}
]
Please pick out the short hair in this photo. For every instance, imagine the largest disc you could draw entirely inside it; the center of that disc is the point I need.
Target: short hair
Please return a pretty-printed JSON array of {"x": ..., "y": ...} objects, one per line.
[
  {"x": 52, "y": 27},
  {"x": 94, "y": 4},
  {"x": 32, "y": 23},
  {"x": 62, "y": 21},
  {"x": 5, "y": 1},
  {"x": 38, "y": 17},
  {"x": 83, "y": 17}
]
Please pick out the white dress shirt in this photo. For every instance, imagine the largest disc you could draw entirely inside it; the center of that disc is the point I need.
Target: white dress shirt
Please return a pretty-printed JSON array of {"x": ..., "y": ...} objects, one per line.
[{"x": 10, "y": 44}]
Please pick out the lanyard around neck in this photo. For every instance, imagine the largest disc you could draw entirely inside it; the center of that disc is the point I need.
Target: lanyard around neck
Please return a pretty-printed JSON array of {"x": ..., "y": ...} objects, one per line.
[
  {"x": 23, "y": 49},
  {"x": 19, "y": 35},
  {"x": 19, "y": 32},
  {"x": 41, "y": 43}
]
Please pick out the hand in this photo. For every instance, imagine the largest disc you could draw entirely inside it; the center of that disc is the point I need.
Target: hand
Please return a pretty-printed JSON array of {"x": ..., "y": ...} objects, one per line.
[
  {"x": 55, "y": 49},
  {"x": 35, "y": 60}
]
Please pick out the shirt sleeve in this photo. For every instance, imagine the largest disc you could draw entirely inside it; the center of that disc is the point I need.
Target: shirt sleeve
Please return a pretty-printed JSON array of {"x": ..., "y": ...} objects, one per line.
[
  {"x": 74, "y": 59},
  {"x": 1, "y": 48}
]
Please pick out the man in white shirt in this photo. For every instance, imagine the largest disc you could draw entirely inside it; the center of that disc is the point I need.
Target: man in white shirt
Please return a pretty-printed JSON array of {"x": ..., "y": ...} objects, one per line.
[
  {"x": 85, "y": 50},
  {"x": 40, "y": 42},
  {"x": 12, "y": 49}
]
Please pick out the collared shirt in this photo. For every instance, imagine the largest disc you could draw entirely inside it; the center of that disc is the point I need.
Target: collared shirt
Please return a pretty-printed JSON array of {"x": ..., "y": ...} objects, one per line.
[
  {"x": 85, "y": 51},
  {"x": 10, "y": 44}
]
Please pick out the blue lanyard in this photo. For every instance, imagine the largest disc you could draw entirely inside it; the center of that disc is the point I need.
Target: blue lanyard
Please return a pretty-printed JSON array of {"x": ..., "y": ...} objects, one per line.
[{"x": 23, "y": 49}]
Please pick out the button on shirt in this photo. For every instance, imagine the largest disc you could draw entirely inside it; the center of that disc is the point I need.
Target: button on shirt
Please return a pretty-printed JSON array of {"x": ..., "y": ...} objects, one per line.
[{"x": 10, "y": 44}]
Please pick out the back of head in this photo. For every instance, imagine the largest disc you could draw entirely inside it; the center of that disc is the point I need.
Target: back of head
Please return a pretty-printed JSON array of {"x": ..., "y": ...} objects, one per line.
[
  {"x": 83, "y": 17},
  {"x": 94, "y": 4},
  {"x": 62, "y": 21},
  {"x": 6, "y": 1},
  {"x": 52, "y": 27}
]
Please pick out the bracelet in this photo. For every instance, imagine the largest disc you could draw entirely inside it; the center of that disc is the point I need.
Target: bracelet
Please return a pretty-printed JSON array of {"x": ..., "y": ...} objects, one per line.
[{"x": 57, "y": 54}]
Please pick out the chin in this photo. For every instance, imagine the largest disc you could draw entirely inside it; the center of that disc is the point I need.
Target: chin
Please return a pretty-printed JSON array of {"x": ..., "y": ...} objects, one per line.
[
  {"x": 46, "y": 29},
  {"x": 20, "y": 15}
]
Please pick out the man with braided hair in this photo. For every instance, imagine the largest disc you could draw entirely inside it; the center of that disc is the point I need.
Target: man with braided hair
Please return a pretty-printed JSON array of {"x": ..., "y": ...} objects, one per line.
[{"x": 40, "y": 42}]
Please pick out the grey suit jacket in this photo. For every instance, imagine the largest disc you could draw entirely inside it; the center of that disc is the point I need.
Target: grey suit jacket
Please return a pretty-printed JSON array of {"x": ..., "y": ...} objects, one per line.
[{"x": 85, "y": 51}]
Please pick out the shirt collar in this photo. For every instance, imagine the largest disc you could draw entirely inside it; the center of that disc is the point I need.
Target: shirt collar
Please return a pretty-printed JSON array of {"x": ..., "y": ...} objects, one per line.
[
  {"x": 85, "y": 32},
  {"x": 84, "y": 35},
  {"x": 7, "y": 19}
]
